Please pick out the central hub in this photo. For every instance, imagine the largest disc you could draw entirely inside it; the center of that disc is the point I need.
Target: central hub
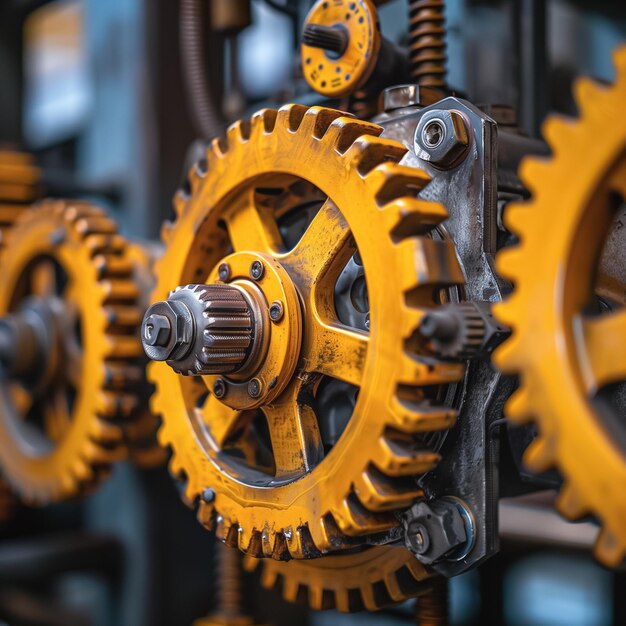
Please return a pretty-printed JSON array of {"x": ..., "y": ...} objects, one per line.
[{"x": 241, "y": 330}]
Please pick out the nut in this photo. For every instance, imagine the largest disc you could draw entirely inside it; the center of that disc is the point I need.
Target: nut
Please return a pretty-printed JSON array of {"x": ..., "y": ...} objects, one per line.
[
  {"x": 166, "y": 318},
  {"x": 276, "y": 311},
  {"x": 254, "y": 388},
  {"x": 435, "y": 530},
  {"x": 157, "y": 329},
  {"x": 442, "y": 138},
  {"x": 224, "y": 272}
]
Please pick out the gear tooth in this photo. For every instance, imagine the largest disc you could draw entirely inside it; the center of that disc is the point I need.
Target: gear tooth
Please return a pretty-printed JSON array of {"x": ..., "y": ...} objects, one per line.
[
  {"x": 518, "y": 406},
  {"x": 416, "y": 416},
  {"x": 316, "y": 597},
  {"x": 410, "y": 217},
  {"x": 206, "y": 514},
  {"x": 290, "y": 116},
  {"x": 263, "y": 121},
  {"x": 269, "y": 577},
  {"x": 586, "y": 94},
  {"x": 176, "y": 467},
  {"x": 404, "y": 459},
  {"x": 517, "y": 216},
  {"x": 570, "y": 504},
  {"x": 369, "y": 151},
  {"x": 217, "y": 149},
  {"x": 378, "y": 492},
  {"x": 534, "y": 169},
  {"x": 426, "y": 371},
  {"x": 558, "y": 132},
  {"x": 609, "y": 549},
  {"x": 167, "y": 229},
  {"x": 508, "y": 265},
  {"x": 368, "y": 599},
  {"x": 317, "y": 120},
  {"x": 540, "y": 454},
  {"x": 390, "y": 181},
  {"x": 428, "y": 262},
  {"x": 83, "y": 472},
  {"x": 267, "y": 542},
  {"x": 238, "y": 133},
  {"x": 245, "y": 537},
  {"x": 105, "y": 432},
  {"x": 410, "y": 320},
  {"x": 344, "y": 131},
  {"x": 290, "y": 589},
  {"x": 354, "y": 519},
  {"x": 342, "y": 600}
]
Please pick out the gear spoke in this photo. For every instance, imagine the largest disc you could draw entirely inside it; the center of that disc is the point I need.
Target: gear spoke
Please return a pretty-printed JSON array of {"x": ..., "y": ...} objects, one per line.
[
  {"x": 605, "y": 341},
  {"x": 43, "y": 280},
  {"x": 252, "y": 227},
  {"x": 219, "y": 419},
  {"x": 296, "y": 441},
  {"x": 336, "y": 351},
  {"x": 323, "y": 250}
]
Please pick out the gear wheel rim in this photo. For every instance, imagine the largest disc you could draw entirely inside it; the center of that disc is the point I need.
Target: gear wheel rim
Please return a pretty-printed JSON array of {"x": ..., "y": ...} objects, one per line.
[
  {"x": 95, "y": 255},
  {"x": 372, "y": 579},
  {"x": 298, "y": 525},
  {"x": 571, "y": 437}
]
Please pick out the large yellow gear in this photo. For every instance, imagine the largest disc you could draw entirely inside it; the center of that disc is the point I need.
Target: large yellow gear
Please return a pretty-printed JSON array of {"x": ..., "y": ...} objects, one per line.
[
  {"x": 69, "y": 253},
  {"x": 369, "y": 579},
  {"x": 311, "y": 503},
  {"x": 565, "y": 353}
]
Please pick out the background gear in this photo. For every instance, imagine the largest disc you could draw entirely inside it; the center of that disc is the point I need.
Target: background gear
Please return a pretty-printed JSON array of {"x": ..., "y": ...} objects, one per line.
[
  {"x": 370, "y": 579},
  {"x": 372, "y": 207},
  {"x": 65, "y": 431},
  {"x": 567, "y": 347}
]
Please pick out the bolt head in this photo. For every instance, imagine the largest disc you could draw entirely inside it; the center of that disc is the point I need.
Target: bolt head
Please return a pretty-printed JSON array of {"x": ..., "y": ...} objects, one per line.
[
  {"x": 224, "y": 272},
  {"x": 254, "y": 388},
  {"x": 257, "y": 270},
  {"x": 208, "y": 495},
  {"x": 219, "y": 388},
  {"x": 442, "y": 138},
  {"x": 276, "y": 311},
  {"x": 157, "y": 330}
]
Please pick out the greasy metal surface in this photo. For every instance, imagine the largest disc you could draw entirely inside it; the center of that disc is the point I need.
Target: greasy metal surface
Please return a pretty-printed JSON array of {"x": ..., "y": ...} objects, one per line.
[
  {"x": 310, "y": 501},
  {"x": 571, "y": 386},
  {"x": 469, "y": 193}
]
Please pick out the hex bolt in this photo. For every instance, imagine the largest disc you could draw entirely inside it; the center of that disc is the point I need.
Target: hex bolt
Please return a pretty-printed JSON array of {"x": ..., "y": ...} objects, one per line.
[
  {"x": 224, "y": 272},
  {"x": 257, "y": 270},
  {"x": 219, "y": 388},
  {"x": 442, "y": 138},
  {"x": 157, "y": 330},
  {"x": 254, "y": 388},
  {"x": 208, "y": 495},
  {"x": 276, "y": 311}
]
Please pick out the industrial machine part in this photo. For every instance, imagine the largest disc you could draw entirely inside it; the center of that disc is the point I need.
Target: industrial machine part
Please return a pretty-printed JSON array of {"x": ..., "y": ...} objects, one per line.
[
  {"x": 69, "y": 350},
  {"x": 19, "y": 186},
  {"x": 427, "y": 43},
  {"x": 247, "y": 439},
  {"x": 343, "y": 50},
  {"x": 370, "y": 578},
  {"x": 568, "y": 298}
]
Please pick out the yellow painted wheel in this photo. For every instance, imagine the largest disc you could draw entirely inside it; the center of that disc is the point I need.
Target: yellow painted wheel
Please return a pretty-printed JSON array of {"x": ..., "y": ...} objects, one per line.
[
  {"x": 296, "y": 498},
  {"x": 568, "y": 350}
]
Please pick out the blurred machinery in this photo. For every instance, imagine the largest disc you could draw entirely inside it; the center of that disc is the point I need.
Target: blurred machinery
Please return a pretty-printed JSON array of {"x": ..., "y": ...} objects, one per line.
[{"x": 382, "y": 326}]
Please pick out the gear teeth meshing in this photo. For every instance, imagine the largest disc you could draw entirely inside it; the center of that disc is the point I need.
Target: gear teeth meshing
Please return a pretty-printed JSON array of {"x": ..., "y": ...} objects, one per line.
[{"x": 308, "y": 142}]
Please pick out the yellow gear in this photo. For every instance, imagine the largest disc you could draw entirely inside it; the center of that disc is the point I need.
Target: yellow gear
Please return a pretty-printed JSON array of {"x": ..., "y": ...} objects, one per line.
[
  {"x": 564, "y": 354},
  {"x": 369, "y": 580},
  {"x": 79, "y": 433},
  {"x": 313, "y": 504}
]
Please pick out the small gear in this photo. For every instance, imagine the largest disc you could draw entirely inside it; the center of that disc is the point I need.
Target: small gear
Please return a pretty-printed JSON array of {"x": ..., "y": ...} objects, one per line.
[
  {"x": 70, "y": 348},
  {"x": 370, "y": 579},
  {"x": 292, "y": 497},
  {"x": 568, "y": 349}
]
